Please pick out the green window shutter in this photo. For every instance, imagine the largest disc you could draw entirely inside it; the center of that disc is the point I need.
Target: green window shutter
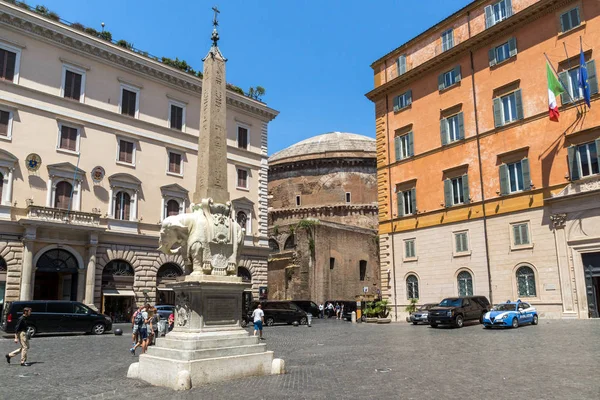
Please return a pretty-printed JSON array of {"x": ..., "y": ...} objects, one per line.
[
  {"x": 517, "y": 235},
  {"x": 458, "y": 242},
  {"x": 401, "y": 65},
  {"x": 451, "y": 40},
  {"x": 524, "y": 234},
  {"x": 411, "y": 148},
  {"x": 564, "y": 80},
  {"x": 492, "y": 56},
  {"x": 519, "y": 104},
  {"x": 400, "y": 203},
  {"x": 465, "y": 242},
  {"x": 498, "y": 121},
  {"x": 598, "y": 150},
  {"x": 465, "y": 183},
  {"x": 457, "y": 73},
  {"x": 396, "y": 102},
  {"x": 503, "y": 170},
  {"x": 562, "y": 24},
  {"x": 489, "y": 17},
  {"x": 447, "y": 193},
  {"x": 512, "y": 46},
  {"x": 408, "y": 95},
  {"x": 526, "y": 174},
  {"x": 444, "y": 131},
  {"x": 572, "y": 157},
  {"x": 509, "y": 9},
  {"x": 397, "y": 148},
  {"x": 407, "y": 249},
  {"x": 413, "y": 198},
  {"x": 441, "y": 85},
  {"x": 461, "y": 126},
  {"x": 592, "y": 78}
]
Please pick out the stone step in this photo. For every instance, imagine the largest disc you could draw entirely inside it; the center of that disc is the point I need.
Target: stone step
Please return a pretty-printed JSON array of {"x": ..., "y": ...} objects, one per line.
[
  {"x": 193, "y": 355},
  {"x": 201, "y": 344}
]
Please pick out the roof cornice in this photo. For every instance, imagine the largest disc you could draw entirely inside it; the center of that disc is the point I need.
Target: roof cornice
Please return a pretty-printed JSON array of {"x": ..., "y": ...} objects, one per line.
[
  {"x": 529, "y": 14},
  {"x": 60, "y": 35}
]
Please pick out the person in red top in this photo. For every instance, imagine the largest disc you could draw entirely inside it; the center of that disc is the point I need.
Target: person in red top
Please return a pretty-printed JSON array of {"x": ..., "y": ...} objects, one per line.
[{"x": 171, "y": 321}]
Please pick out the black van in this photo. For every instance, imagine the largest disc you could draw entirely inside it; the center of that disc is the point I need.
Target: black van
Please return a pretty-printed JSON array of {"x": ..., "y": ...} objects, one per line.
[
  {"x": 309, "y": 306},
  {"x": 281, "y": 311},
  {"x": 55, "y": 316}
]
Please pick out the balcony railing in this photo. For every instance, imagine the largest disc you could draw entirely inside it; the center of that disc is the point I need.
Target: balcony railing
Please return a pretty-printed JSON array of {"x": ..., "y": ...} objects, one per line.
[{"x": 63, "y": 216}]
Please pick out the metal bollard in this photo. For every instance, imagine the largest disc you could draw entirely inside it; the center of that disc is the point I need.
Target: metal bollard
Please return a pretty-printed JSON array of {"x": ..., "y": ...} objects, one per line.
[{"x": 309, "y": 318}]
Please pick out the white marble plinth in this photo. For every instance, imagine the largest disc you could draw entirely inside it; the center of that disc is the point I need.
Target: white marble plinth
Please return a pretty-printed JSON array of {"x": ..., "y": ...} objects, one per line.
[{"x": 207, "y": 343}]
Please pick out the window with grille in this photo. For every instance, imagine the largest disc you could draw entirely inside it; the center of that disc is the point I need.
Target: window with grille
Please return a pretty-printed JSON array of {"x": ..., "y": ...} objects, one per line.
[
  {"x": 412, "y": 287},
  {"x": 526, "y": 282},
  {"x": 465, "y": 284}
]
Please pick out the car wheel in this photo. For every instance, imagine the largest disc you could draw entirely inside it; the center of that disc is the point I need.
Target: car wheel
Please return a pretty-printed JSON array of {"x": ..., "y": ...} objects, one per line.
[
  {"x": 415, "y": 322},
  {"x": 31, "y": 331},
  {"x": 270, "y": 321},
  {"x": 535, "y": 320},
  {"x": 515, "y": 323},
  {"x": 434, "y": 325},
  {"x": 481, "y": 319},
  {"x": 244, "y": 323},
  {"x": 459, "y": 321},
  {"x": 303, "y": 321},
  {"x": 98, "y": 329}
]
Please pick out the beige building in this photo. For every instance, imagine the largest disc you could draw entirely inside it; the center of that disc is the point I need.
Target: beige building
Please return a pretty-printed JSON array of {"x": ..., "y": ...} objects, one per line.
[{"x": 119, "y": 131}]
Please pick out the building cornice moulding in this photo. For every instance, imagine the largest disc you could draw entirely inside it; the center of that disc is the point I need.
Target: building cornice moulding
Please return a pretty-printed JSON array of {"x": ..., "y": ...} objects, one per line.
[
  {"x": 314, "y": 210},
  {"x": 26, "y": 22}
]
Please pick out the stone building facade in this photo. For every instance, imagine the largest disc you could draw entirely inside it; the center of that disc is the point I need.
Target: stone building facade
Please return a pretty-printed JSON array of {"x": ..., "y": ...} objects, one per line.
[
  {"x": 98, "y": 144},
  {"x": 323, "y": 219},
  {"x": 479, "y": 191}
]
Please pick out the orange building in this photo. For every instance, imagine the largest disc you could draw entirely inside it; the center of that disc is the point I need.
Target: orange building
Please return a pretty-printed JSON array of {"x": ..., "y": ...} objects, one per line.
[{"x": 479, "y": 192}]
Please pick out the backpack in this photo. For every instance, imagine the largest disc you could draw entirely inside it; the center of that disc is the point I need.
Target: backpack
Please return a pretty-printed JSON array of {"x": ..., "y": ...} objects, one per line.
[{"x": 139, "y": 320}]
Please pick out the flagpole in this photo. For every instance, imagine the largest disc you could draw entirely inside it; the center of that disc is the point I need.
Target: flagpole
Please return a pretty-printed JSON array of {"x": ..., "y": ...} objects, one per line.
[
  {"x": 569, "y": 67},
  {"x": 559, "y": 81},
  {"x": 73, "y": 185}
]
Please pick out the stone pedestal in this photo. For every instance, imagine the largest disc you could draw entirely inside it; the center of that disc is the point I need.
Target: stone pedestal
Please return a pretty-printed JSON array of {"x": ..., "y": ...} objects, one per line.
[{"x": 207, "y": 343}]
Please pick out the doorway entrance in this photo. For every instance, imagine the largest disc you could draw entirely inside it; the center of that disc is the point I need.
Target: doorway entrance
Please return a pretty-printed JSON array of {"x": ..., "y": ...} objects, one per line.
[
  {"x": 591, "y": 267},
  {"x": 118, "y": 298},
  {"x": 56, "y": 276}
]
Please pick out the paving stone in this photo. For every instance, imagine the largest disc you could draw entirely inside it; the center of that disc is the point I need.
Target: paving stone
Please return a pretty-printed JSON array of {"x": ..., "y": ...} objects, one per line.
[{"x": 338, "y": 360}]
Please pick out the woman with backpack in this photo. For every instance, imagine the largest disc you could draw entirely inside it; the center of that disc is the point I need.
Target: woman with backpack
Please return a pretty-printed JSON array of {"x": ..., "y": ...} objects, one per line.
[{"x": 142, "y": 321}]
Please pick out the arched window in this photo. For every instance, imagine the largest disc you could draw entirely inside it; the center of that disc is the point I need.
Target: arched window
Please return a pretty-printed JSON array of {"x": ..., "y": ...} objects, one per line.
[
  {"x": 57, "y": 260},
  {"x": 3, "y": 266},
  {"x": 172, "y": 207},
  {"x": 273, "y": 246},
  {"x": 465, "y": 284},
  {"x": 412, "y": 287},
  {"x": 526, "y": 282},
  {"x": 118, "y": 268},
  {"x": 244, "y": 274},
  {"x": 62, "y": 195},
  {"x": 242, "y": 219},
  {"x": 290, "y": 243},
  {"x": 169, "y": 271},
  {"x": 122, "y": 206}
]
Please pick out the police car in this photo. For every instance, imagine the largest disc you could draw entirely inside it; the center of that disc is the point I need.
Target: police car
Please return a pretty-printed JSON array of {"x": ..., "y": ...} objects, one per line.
[{"x": 511, "y": 314}]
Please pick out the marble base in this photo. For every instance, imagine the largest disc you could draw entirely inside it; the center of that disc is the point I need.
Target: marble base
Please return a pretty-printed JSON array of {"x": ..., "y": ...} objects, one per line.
[{"x": 207, "y": 343}]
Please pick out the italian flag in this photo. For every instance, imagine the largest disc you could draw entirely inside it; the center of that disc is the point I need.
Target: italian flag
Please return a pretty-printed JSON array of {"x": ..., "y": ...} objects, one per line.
[{"x": 554, "y": 89}]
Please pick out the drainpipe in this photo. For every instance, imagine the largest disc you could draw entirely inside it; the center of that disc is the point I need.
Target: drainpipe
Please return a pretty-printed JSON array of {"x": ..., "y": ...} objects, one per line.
[{"x": 485, "y": 231}]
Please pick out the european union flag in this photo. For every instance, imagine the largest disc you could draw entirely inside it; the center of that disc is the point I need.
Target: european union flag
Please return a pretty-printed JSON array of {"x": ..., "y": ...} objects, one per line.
[{"x": 584, "y": 85}]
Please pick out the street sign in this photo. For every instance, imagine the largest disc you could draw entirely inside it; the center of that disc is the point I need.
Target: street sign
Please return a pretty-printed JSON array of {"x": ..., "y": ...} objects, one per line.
[{"x": 366, "y": 289}]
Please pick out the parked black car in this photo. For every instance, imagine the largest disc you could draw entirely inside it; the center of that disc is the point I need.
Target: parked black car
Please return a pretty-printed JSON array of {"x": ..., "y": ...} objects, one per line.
[
  {"x": 456, "y": 310},
  {"x": 310, "y": 307},
  {"x": 281, "y": 311},
  {"x": 55, "y": 316}
]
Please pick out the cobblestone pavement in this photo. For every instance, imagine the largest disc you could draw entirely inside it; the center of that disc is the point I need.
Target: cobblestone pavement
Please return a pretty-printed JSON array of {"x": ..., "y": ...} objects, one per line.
[{"x": 339, "y": 360}]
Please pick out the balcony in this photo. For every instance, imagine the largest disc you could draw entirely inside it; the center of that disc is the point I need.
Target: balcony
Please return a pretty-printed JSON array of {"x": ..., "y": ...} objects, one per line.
[{"x": 59, "y": 216}]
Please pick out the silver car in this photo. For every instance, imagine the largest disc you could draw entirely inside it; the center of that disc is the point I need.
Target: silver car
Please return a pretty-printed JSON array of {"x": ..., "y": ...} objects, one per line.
[{"x": 421, "y": 314}]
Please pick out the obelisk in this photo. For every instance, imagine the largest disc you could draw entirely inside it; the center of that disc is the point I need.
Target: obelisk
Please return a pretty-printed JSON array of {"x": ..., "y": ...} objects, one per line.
[{"x": 211, "y": 172}]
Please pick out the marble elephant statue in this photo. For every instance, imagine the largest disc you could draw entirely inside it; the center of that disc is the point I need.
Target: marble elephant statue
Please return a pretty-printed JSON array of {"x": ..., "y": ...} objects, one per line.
[{"x": 191, "y": 235}]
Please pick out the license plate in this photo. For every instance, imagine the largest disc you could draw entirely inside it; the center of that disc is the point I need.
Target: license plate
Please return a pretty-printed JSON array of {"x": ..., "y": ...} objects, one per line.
[{"x": 438, "y": 322}]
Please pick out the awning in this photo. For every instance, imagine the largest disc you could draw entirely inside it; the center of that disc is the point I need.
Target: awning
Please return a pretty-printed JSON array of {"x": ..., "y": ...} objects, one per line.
[
  {"x": 118, "y": 292},
  {"x": 164, "y": 289}
]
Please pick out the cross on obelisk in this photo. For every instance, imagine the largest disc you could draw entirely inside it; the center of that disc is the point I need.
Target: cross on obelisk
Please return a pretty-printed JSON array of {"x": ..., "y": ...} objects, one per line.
[{"x": 211, "y": 173}]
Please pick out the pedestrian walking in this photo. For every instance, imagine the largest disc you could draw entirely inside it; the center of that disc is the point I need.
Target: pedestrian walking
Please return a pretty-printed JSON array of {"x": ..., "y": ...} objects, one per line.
[
  {"x": 329, "y": 310},
  {"x": 171, "y": 321},
  {"x": 142, "y": 321},
  {"x": 342, "y": 311},
  {"x": 135, "y": 327},
  {"x": 321, "y": 311},
  {"x": 154, "y": 318},
  {"x": 258, "y": 315},
  {"x": 21, "y": 337},
  {"x": 337, "y": 310}
]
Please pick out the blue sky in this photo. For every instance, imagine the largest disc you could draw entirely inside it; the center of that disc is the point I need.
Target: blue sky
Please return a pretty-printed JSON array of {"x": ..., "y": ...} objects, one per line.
[{"x": 313, "y": 57}]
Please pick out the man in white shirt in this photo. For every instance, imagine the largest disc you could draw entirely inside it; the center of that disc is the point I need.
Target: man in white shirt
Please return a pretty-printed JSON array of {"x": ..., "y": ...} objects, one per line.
[
  {"x": 321, "y": 311},
  {"x": 258, "y": 316}
]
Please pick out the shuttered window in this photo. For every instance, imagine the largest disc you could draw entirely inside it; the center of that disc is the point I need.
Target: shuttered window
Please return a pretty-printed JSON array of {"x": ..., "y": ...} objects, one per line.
[
  {"x": 62, "y": 195},
  {"x": 452, "y": 129},
  {"x": 72, "y": 85},
  {"x": 126, "y": 151},
  {"x": 8, "y": 60},
  {"x": 570, "y": 19},
  {"x": 409, "y": 249},
  {"x": 508, "y": 108},
  {"x": 584, "y": 159},
  {"x": 4, "y": 122},
  {"x": 242, "y": 181},
  {"x": 122, "y": 206},
  {"x": 404, "y": 146},
  {"x": 176, "y": 117},
  {"x": 242, "y": 138},
  {"x": 570, "y": 80},
  {"x": 503, "y": 52},
  {"x": 520, "y": 234},
  {"x": 403, "y": 101},
  {"x": 447, "y": 40},
  {"x": 128, "y": 102},
  {"x": 515, "y": 177},
  {"x": 68, "y": 138},
  {"x": 449, "y": 78},
  {"x": 461, "y": 240},
  {"x": 407, "y": 202},
  {"x": 401, "y": 65},
  {"x": 456, "y": 191},
  {"x": 497, "y": 12},
  {"x": 175, "y": 163}
]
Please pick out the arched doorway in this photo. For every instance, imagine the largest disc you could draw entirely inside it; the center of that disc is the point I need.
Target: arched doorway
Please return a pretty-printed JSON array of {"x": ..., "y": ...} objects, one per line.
[
  {"x": 245, "y": 274},
  {"x": 118, "y": 298},
  {"x": 56, "y": 276},
  {"x": 167, "y": 273}
]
